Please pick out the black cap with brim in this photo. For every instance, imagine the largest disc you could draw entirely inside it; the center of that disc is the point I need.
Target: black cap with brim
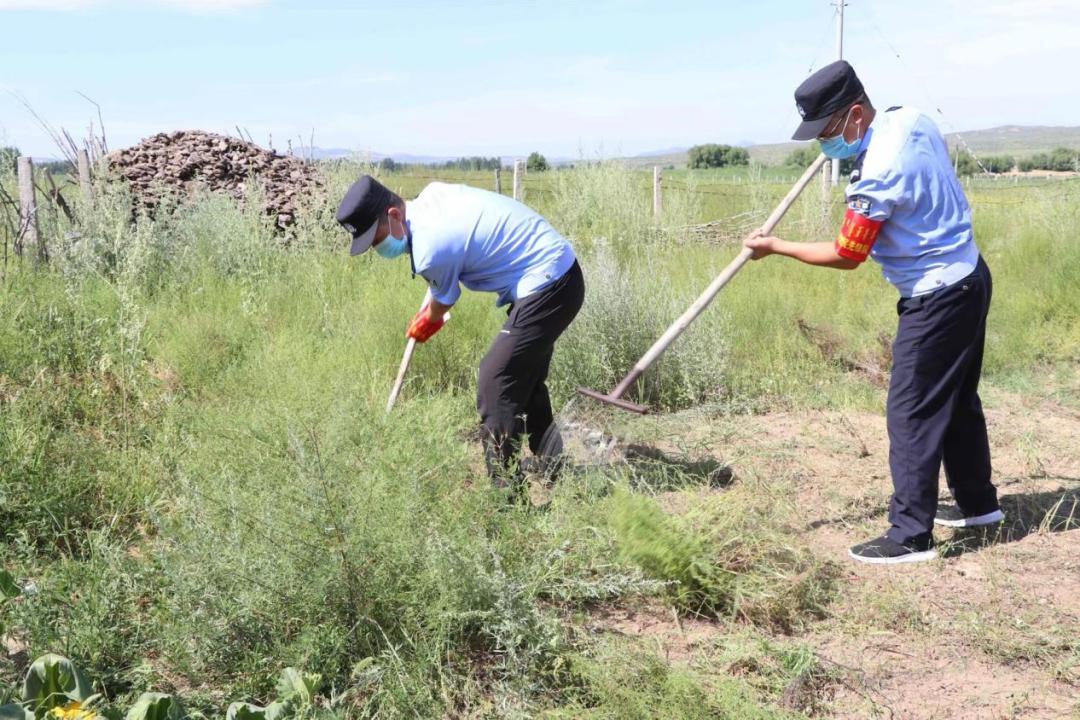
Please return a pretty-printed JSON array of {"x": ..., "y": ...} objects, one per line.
[
  {"x": 810, "y": 129},
  {"x": 360, "y": 210},
  {"x": 832, "y": 88},
  {"x": 361, "y": 241}
]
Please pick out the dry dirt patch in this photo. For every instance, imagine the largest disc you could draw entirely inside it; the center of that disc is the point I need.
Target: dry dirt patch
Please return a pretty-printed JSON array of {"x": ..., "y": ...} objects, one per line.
[{"x": 990, "y": 630}]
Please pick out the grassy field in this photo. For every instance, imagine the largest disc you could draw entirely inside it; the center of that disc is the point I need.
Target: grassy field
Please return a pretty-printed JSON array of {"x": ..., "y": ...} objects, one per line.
[{"x": 199, "y": 486}]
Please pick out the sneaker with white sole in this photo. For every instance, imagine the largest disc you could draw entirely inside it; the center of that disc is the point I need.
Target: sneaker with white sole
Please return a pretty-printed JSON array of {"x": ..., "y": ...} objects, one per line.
[
  {"x": 953, "y": 516},
  {"x": 886, "y": 551}
]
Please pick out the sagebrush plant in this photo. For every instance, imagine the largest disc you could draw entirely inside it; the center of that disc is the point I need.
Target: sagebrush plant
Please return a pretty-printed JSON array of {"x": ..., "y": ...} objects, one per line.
[{"x": 628, "y": 305}]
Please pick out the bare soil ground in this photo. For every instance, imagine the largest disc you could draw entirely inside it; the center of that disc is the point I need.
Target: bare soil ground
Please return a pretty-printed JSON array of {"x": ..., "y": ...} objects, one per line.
[{"x": 990, "y": 630}]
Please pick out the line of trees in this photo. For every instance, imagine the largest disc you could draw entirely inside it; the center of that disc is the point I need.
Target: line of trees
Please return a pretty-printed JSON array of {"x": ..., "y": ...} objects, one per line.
[
  {"x": 9, "y": 162},
  {"x": 715, "y": 156},
  {"x": 966, "y": 164},
  {"x": 463, "y": 164},
  {"x": 1062, "y": 159},
  {"x": 473, "y": 163},
  {"x": 802, "y": 157},
  {"x": 1059, "y": 159},
  {"x": 535, "y": 163}
]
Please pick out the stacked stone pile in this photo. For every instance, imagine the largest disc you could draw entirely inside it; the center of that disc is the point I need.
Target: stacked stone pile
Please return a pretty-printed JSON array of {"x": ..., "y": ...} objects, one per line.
[{"x": 187, "y": 160}]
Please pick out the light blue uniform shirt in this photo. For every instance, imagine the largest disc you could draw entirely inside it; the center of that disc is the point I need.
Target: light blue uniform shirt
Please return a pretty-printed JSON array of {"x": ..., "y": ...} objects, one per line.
[
  {"x": 907, "y": 180},
  {"x": 485, "y": 241}
]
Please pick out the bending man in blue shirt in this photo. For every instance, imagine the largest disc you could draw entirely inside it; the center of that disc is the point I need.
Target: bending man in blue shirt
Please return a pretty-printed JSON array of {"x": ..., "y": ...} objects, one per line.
[
  {"x": 457, "y": 235},
  {"x": 907, "y": 211}
]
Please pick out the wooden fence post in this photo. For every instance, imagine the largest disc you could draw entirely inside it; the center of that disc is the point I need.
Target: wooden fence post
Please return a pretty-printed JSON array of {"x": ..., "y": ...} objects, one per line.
[
  {"x": 826, "y": 185},
  {"x": 519, "y": 171},
  {"x": 498, "y": 180},
  {"x": 84, "y": 175},
  {"x": 28, "y": 230},
  {"x": 657, "y": 196}
]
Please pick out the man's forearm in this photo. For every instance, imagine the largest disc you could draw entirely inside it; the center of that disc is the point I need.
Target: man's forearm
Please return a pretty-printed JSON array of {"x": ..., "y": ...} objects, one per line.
[
  {"x": 821, "y": 254},
  {"x": 436, "y": 310}
]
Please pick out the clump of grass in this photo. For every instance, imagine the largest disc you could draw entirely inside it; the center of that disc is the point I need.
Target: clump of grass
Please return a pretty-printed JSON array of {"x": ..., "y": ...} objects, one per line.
[
  {"x": 723, "y": 559},
  {"x": 601, "y": 200},
  {"x": 619, "y": 680}
]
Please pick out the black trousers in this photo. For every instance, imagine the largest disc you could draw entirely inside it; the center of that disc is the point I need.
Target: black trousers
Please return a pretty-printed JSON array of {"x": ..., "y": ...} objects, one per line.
[
  {"x": 512, "y": 395},
  {"x": 934, "y": 412}
]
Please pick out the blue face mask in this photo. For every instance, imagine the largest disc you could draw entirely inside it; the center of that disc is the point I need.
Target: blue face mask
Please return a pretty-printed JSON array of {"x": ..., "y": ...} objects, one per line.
[
  {"x": 837, "y": 147},
  {"x": 391, "y": 247}
]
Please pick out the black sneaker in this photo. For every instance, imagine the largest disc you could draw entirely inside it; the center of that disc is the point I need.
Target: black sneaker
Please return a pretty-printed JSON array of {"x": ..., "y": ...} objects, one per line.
[
  {"x": 953, "y": 516},
  {"x": 884, "y": 550}
]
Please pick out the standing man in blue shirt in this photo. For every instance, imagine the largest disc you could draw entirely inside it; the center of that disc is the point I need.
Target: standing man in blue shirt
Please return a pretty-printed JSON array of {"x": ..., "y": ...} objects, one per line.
[
  {"x": 907, "y": 210},
  {"x": 458, "y": 235}
]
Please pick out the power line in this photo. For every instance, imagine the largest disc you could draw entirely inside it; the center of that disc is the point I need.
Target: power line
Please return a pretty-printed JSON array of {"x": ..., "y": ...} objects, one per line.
[
  {"x": 813, "y": 62},
  {"x": 923, "y": 87}
]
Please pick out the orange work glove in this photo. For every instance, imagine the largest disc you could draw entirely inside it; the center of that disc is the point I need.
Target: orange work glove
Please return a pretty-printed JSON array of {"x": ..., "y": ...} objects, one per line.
[{"x": 421, "y": 328}]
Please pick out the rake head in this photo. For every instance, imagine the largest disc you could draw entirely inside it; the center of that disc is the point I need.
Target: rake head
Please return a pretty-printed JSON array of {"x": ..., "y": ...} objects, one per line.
[{"x": 613, "y": 400}]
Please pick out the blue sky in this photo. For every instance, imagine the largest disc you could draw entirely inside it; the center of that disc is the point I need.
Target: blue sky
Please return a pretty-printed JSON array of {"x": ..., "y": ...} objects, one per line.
[{"x": 450, "y": 77}]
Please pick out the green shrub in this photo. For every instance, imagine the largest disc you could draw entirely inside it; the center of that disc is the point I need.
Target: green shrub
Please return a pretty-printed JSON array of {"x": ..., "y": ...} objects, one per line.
[{"x": 723, "y": 559}]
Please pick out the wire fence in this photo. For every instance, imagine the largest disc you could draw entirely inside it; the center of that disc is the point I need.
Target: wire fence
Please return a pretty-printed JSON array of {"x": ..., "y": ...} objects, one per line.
[{"x": 722, "y": 197}]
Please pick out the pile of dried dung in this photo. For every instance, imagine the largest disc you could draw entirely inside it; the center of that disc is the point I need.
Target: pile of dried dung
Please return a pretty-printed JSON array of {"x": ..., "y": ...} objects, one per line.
[{"x": 186, "y": 160}]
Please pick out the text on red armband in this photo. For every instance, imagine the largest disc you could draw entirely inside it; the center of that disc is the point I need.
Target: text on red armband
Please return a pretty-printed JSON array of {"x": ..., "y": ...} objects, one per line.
[{"x": 857, "y": 236}]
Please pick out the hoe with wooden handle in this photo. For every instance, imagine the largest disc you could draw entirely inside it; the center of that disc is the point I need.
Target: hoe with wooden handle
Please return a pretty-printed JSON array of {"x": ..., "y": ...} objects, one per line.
[
  {"x": 406, "y": 358},
  {"x": 615, "y": 397}
]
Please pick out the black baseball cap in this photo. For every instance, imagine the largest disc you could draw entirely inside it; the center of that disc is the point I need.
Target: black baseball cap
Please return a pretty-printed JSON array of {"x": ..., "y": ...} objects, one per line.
[
  {"x": 831, "y": 88},
  {"x": 360, "y": 210}
]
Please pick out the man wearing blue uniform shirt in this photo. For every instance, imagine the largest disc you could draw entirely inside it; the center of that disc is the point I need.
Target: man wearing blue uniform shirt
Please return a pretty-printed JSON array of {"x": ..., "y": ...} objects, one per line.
[
  {"x": 456, "y": 236},
  {"x": 907, "y": 210}
]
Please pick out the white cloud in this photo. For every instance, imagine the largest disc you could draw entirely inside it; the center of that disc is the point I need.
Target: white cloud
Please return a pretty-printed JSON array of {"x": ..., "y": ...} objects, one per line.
[
  {"x": 212, "y": 5},
  {"x": 199, "y": 6},
  {"x": 1057, "y": 10},
  {"x": 44, "y": 4}
]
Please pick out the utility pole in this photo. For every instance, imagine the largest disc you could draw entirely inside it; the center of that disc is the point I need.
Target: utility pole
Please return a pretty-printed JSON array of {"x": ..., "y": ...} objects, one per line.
[{"x": 839, "y": 56}]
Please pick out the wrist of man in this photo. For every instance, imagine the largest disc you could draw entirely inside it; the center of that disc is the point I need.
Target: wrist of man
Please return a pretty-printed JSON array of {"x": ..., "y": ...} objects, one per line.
[
  {"x": 782, "y": 247},
  {"x": 436, "y": 310}
]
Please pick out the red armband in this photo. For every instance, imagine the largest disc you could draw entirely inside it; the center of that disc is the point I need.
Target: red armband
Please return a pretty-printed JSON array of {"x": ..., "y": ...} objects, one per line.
[{"x": 857, "y": 236}]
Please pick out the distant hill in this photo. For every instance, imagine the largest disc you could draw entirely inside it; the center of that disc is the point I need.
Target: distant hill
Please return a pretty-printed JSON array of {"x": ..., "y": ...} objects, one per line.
[
  {"x": 663, "y": 158},
  {"x": 1018, "y": 140}
]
